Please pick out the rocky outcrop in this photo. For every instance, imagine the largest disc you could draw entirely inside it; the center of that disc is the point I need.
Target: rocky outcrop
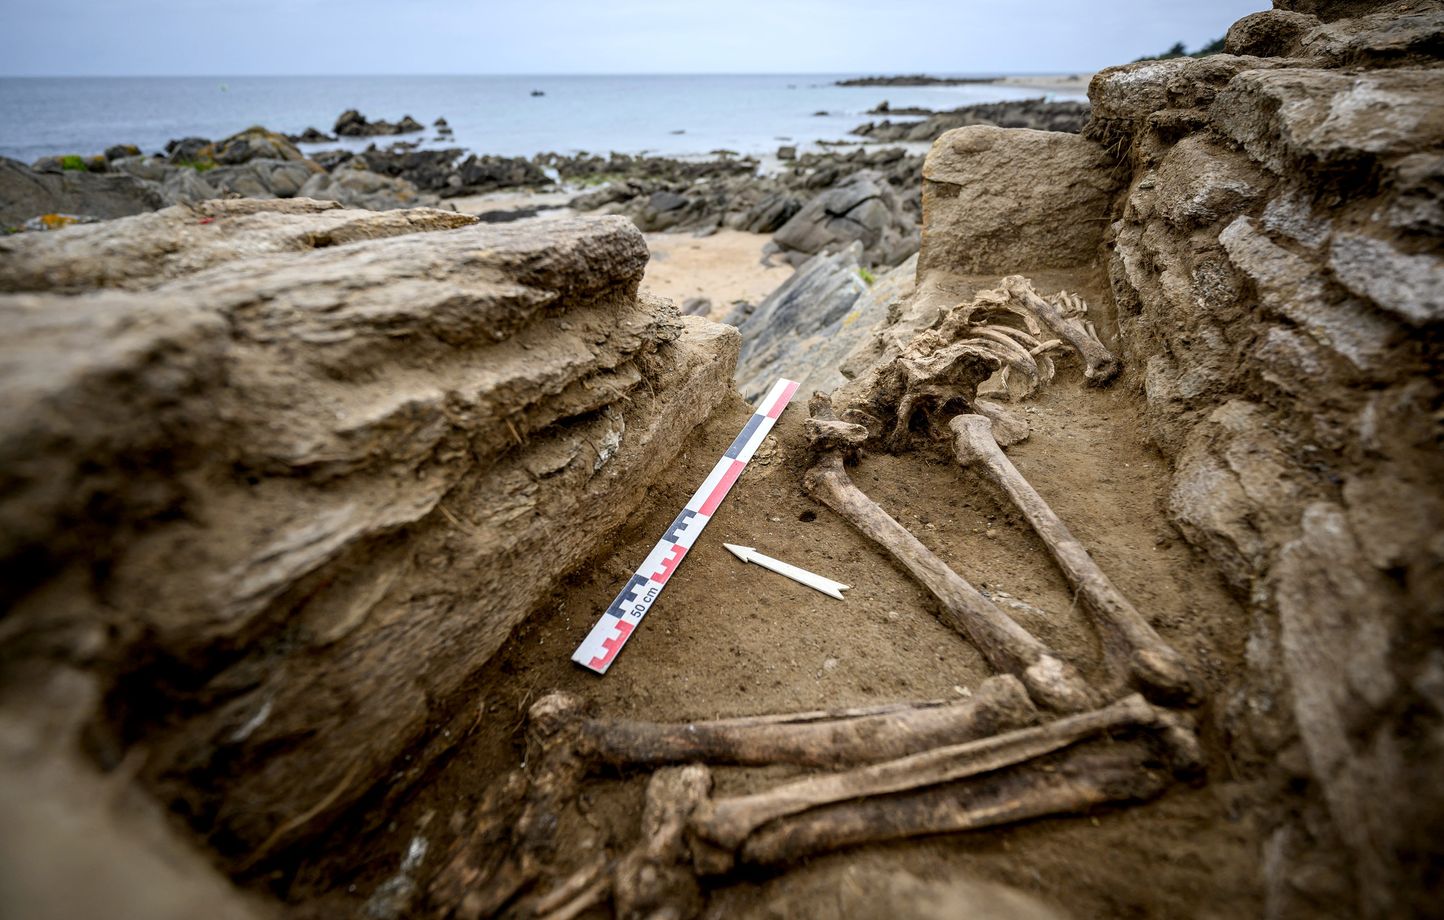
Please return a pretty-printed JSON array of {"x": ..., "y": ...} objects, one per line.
[
  {"x": 861, "y": 209},
  {"x": 26, "y": 193},
  {"x": 1276, "y": 258},
  {"x": 808, "y": 326},
  {"x": 352, "y": 123},
  {"x": 1039, "y": 114},
  {"x": 661, "y": 194},
  {"x": 279, "y": 501}
]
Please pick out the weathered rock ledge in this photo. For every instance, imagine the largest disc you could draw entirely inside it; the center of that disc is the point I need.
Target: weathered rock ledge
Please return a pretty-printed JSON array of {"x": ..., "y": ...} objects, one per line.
[{"x": 278, "y": 477}]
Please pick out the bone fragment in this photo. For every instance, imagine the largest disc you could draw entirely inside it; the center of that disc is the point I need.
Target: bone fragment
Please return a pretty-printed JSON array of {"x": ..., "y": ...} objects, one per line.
[
  {"x": 1099, "y": 365},
  {"x": 655, "y": 879},
  {"x": 1008, "y": 647},
  {"x": 728, "y": 822},
  {"x": 1130, "y": 642}
]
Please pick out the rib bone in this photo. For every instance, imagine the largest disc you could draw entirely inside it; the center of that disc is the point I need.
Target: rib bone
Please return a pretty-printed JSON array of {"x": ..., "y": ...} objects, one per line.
[
  {"x": 1008, "y": 647},
  {"x": 1099, "y": 365},
  {"x": 728, "y": 822},
  {"x": 1132, "y": 645}
]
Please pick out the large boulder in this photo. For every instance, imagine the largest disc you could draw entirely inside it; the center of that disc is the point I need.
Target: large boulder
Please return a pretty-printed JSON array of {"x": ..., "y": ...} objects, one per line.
[
  {"x": 352, "y": 123},
  {"x": 357, "y": 187},
  {"x": 264, "y": 178},
  {"x": 862, "y": 209},
  {"x": 255, "y": 143},
  {"x": 25, "y": 193},
  {"x": 996, "y": 200},
  {"x": 280, "y": 504},
  {"x": 807, "y": 328}
]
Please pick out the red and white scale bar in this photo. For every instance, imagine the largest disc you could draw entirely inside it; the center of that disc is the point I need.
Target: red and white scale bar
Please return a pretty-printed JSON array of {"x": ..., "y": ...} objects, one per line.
[{"x": 606, "y": 639}]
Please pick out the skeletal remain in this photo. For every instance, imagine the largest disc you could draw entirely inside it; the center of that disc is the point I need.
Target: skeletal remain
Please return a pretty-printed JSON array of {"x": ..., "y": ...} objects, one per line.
[
  {"x": 823, "y": 739},
  {"x": 1008, "y": 647},
  {"x": 655, "y": 879},
  {"x": 1072, "y": 781},
  {"x": 728, "y": 822},
  {"x": 993, "y": 345},
  {"x": 1132, "y": 645},
  {"x": 826, "y": 738},
  {"x": 1066, "y": 319}
]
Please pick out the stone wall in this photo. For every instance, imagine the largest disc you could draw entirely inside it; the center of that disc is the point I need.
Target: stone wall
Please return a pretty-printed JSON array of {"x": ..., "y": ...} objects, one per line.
[
  {"x": 1276, "y": 261},
  {"x": 278, "y": 477}
]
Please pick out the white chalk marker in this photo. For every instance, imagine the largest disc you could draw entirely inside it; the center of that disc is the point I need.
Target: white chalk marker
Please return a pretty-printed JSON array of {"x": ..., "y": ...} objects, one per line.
[{"x": 801, "y": 576}]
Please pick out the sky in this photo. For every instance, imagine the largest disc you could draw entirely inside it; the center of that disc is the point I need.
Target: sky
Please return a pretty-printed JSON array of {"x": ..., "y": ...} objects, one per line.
[{"x": 294, "y": 37}]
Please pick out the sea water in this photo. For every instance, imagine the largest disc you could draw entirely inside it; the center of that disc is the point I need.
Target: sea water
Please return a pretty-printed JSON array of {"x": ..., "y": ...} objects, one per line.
[{"x": 674, "y": 115}]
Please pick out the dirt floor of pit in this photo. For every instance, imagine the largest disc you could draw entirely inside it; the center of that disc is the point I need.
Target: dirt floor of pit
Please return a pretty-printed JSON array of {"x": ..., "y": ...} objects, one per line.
[{"x": 729, "y": 639}]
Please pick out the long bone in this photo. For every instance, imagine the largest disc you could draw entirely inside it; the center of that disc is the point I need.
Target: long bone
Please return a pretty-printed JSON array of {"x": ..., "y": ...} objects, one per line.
[
  {"x": 726, "y": 823},
  {"x": 1131, "y": 644},
  {"x": 1073, "y": 781},
  {"x": 1008, "y": 647},
  {"x": 816, "y": 739}
]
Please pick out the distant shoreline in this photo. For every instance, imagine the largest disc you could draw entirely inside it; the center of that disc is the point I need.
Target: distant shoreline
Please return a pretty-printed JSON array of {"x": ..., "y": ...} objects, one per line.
[{"x": 1074, "y": 82}]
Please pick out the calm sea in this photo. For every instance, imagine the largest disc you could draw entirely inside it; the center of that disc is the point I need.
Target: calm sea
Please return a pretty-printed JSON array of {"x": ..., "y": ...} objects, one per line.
[{"x": 675, "y": 115}]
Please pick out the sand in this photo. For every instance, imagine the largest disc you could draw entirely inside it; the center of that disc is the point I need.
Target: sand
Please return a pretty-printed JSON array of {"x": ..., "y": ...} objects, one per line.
[
  {"x": 1051, "y": 83},
  {"x": 724, "y": 267}
]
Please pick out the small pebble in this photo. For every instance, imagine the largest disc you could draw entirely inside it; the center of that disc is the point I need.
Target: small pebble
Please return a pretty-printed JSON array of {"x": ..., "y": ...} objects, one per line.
[{"x": 830, "y": 664}]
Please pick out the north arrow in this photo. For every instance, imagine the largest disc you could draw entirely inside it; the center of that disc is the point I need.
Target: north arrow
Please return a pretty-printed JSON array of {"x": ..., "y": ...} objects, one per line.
[{"x": 801, "y": 576}]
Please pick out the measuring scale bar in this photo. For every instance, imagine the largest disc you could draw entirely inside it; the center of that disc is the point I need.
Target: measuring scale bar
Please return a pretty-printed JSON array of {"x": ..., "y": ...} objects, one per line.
[{"x": 600, "y": 648}]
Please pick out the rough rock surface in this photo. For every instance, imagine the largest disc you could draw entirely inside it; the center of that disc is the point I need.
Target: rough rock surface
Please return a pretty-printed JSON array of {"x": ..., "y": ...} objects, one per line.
[
  {"x": 280, "y": 505},
  {"x": 806, "y": 327},
  {"x": 25, "y": 193},
  {"x": 142, "y": 251},
  {"x": 1276, "y": 260},
  {"x": 862, "y": 209},
  {"x": 997, "y": 198}
]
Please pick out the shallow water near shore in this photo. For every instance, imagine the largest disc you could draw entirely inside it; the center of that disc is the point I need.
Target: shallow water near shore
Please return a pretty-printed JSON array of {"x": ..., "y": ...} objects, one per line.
[{"x": 660, "y": 114}]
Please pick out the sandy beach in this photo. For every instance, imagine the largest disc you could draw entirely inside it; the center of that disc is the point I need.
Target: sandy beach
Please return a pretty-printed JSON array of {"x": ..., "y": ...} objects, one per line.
[
  {"x": 723, "y": 267},
  {"x": 1051, "y": 83}
]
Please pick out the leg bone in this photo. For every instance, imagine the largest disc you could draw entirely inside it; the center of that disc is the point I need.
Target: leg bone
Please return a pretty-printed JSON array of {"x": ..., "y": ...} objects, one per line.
[
  {"x": 818, "y": 739},
  {"x": 1006, "y": 645},
  {"x": 1129, "y": 640},
  {"x": 728, "y": 822},
  {"x": 1071, "y": 782}
]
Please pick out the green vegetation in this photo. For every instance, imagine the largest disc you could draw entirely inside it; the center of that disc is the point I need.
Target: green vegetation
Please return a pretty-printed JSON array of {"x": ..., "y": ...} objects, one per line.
[
  {"x": 868, "y": 277},
  {"x": 72, "y": 162},
  {"x": 197, "y": 165},
  {"x": 1178, "y": 51}
]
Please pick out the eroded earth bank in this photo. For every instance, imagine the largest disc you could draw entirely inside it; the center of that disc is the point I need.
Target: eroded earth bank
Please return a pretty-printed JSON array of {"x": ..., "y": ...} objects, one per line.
[{"x": 305, "y": 509}]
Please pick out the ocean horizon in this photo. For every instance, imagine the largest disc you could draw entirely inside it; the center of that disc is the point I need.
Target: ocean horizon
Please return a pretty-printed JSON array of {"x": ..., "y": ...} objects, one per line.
[{"x": 659, "y": 114}]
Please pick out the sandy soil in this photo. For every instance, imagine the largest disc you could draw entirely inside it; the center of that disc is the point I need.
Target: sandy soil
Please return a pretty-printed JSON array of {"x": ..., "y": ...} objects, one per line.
[
  {"x": 726, "y": 639},
  {"x": 1051, "y": 83},
  {"x": 723, "y": 267}
]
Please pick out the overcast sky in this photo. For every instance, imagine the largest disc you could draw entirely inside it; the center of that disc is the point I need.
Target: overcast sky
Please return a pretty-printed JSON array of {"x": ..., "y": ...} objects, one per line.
[{"x": 236, "y": 37}]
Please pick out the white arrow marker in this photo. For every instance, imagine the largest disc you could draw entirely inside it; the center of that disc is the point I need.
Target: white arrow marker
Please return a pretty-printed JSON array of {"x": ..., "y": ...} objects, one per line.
[{"x": 801, "y": 576}]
